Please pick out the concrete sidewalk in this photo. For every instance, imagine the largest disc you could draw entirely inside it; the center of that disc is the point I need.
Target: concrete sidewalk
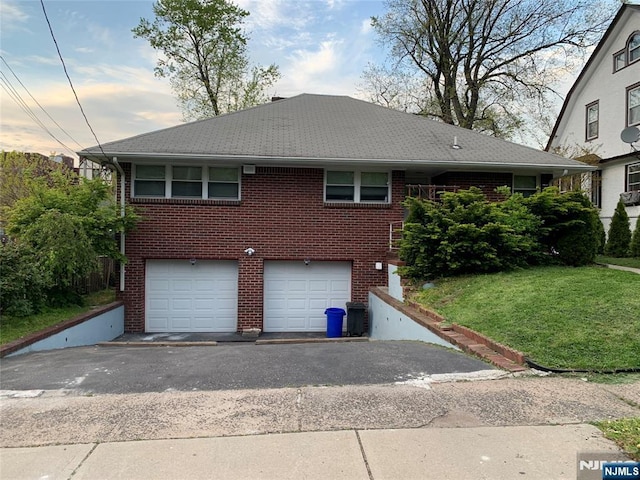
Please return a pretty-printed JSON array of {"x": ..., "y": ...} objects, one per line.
[
  {"x": 496, "y": 453},
  {"x": 517, "y": 427}
]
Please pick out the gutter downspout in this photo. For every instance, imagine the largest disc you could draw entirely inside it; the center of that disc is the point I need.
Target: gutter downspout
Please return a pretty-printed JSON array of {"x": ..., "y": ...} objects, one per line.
[{"x": 122, "y": 213}]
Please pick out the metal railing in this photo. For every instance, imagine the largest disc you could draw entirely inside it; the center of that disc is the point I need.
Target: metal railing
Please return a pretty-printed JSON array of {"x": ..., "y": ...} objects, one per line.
[
  {"x": 429, "y": 192},
  {"x": 395, "y": 235}
]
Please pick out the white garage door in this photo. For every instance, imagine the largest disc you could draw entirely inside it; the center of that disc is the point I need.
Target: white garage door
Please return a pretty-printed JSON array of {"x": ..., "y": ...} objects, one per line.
[
  {"x": 181, "y": 297},
  {"x": 296, "y": 295}
]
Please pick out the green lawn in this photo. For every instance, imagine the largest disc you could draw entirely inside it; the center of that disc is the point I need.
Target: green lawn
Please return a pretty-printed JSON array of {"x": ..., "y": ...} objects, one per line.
[
  {"x": 624, "y": 262},
  {"x": 12, "y": 328},
  {"x": 625, "y": 432},
  {"x": 574, "y": 318}
]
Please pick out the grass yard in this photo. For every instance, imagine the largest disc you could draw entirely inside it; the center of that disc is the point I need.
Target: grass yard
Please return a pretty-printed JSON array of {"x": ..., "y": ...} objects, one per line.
[
  {"x": 623, "y": 262},
  {"x": 625, "y": 432},
  {"x": 574, "y": 318},
  {"x": 12, "y": 328}
]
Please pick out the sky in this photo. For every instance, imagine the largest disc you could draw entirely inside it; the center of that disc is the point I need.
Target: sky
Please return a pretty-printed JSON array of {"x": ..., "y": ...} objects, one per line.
[{"x": 320, "y": 46}]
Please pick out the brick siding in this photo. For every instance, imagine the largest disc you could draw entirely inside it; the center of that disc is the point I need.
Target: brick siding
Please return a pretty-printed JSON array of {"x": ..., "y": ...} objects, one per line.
[{"x": 281, "y": 215}]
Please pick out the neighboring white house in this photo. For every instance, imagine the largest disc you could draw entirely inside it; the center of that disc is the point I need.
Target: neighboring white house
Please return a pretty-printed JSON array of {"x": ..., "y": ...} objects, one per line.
[{"x": 604, "y": 101}]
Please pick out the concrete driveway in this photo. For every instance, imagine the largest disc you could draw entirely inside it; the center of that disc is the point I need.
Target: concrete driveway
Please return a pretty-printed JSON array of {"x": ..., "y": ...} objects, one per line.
[{"x": 115, "y": 370}]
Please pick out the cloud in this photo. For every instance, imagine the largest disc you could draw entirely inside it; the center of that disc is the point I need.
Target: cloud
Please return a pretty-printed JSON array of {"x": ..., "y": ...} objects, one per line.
[
  {"x": 272, "y": 14},
  {"x": 11, "y": 13},
  {"x": 126, "y": 102},
  {"x": 84, "y": 50},
  {"x": 365, "y": 27}
]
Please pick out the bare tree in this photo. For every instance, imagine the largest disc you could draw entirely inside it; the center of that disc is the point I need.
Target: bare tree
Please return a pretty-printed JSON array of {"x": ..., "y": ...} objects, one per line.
[{"x": 482, "y": 63}]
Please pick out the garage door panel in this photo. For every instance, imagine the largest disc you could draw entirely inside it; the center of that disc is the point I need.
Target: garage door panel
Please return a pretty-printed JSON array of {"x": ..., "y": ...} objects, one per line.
[
  {"x": 182, "y": 297},
  {"x": 296, "y": 295},
  {"x": 318, "y": 285}
]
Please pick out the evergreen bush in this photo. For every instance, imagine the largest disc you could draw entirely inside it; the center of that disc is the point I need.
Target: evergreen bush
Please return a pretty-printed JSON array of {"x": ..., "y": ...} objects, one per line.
[
  {"x": 619, "y": 237},
  {"x": 634, "y": 251}
]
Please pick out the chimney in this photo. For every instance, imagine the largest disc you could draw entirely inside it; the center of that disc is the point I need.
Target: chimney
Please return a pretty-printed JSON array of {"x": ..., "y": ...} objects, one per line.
[{"x": 275, "y": 99}]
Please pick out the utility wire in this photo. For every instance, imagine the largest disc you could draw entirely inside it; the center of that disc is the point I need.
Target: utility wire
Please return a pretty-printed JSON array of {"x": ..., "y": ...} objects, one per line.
[
  {"x": 17, "y": 98},
  {"x": 70, "y": 82},
  {"x": 38, "y": 103}
]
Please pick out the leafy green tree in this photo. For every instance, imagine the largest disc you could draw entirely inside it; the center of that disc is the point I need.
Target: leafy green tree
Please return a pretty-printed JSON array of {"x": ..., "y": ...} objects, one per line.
[
  {"x": 476, "y": 60},
  {"x": 68, "y": 222},
  {"x": 634, "y": 251},
  {"x": 619, "y": 237},
  {"x": 205, "y": 56}
]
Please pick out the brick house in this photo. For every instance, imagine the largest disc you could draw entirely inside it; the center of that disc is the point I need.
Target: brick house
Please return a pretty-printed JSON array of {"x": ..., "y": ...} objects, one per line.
[{"x": 265, "y": 217}]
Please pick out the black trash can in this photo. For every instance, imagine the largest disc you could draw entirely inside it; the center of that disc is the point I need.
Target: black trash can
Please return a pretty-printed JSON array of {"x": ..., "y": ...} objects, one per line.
[{"x": 355, "y": 319}]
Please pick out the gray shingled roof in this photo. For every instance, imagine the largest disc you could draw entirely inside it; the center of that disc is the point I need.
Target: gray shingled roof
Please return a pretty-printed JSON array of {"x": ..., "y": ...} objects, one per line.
[{"x": 315, "y": 128}]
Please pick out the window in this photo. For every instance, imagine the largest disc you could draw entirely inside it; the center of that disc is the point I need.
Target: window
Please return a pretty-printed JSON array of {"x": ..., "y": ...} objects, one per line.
[
  {"x": 629, "y": 55},
  {"x": 358, "y": 187},
  {"x": 374, "y": 187},
  {"x": 592, "y": 120},
  {"x": 619, "y": 60},
  {"x": 633, "y": 47},
  {"x": 182, "y": 181},
  {"x": 187, "y": 182},
  {"x": 633, "y": 177},
  {"x": 340, "y": 186},
  {"x": 150, "y": 181},
  {"x": 633, "y": 105},
  {"x": 525, "y": 184},
  {"x": 224, "y": 183}
]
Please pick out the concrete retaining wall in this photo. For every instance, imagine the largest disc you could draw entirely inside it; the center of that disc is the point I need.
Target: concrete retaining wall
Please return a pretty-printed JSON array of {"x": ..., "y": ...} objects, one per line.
[
  {"x": 100, "y": 325},
  {"x": 388, "y": 323}
]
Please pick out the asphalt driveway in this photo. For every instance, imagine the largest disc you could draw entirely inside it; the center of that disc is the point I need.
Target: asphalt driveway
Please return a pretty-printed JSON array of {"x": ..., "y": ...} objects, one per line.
[{"x": 102, "y": 370}]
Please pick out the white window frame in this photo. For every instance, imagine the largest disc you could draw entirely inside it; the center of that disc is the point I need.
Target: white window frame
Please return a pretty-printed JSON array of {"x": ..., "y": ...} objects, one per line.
[
  {"x": 357, "y": 184},
  {"x": 590, "y": 107},
  {"x": 632, "y": 186},
  {"x": 632, "y": 88},
  {"x": 168, "y": 179},
  {"x": 635, "y": 50}
]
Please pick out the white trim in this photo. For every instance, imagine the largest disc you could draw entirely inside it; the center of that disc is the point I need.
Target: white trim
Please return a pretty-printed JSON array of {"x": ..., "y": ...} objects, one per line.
[
  {"x": 357, "y": 184},
  {"x": 168, "y": 180}
]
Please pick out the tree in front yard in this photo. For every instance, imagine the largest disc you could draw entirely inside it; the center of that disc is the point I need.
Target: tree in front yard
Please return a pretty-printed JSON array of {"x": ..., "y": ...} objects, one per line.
[
  {"x": 67, "y": 223},
  {"x": 635, "y": 241},
  {"x": 619, "y": 237}
]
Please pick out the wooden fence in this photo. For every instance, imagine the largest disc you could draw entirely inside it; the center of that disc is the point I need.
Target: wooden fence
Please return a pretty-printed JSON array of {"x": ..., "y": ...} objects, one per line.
[{"x": 101, "y": 279}]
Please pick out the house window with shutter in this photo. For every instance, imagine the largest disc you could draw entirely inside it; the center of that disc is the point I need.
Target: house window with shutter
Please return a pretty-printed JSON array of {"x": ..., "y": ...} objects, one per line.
[{"x": 592, "y": 116}]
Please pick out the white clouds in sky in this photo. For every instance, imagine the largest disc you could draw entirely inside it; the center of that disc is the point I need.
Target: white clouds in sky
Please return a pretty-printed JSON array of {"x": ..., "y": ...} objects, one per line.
[{"x": 321, "y": 46}]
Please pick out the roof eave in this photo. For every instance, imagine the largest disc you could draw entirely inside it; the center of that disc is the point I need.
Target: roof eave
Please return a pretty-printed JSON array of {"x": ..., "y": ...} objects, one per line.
[{"x": 400, "y": 164}]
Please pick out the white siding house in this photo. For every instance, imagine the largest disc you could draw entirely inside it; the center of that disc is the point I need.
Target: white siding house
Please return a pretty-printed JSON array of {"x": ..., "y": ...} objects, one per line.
[{"x": 604, "y": 100}]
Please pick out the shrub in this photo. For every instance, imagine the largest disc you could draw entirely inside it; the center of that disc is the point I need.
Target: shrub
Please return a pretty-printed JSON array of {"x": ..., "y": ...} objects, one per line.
[
  {"x": 619, "y": 237},
  {"x": 570, "y": 230},
  {"x": 634, "y": 251},
  {"x": 466, "y": 234},
  {"x": 23, "y": 283}
]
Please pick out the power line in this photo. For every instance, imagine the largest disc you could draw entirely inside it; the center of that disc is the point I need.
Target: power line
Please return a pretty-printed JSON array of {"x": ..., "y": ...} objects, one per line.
[
  {"x": 6, "y": 85},
  {"x": 69, "y": 78},
  {"x": 38, "y": 103}
]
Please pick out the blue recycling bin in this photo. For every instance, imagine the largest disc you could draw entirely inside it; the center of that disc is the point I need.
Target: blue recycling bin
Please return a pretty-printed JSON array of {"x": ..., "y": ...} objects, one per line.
[{"x": 335, "y": 317}]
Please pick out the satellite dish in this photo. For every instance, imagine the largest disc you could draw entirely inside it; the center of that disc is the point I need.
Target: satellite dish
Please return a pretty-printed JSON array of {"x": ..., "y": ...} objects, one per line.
[{"x": 630, "y": 135}]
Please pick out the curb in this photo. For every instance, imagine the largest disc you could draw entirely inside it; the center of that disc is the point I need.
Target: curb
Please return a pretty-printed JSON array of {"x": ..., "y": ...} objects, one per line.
[
  {"x": 157, "y": 344},
  {"x": 281, "y": 341}
]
